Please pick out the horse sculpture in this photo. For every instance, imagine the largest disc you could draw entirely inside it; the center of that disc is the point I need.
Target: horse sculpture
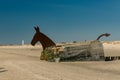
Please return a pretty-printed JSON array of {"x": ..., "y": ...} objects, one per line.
[
  {"x": 44, "y": 40},
  {"x": 90, "y": 50}
]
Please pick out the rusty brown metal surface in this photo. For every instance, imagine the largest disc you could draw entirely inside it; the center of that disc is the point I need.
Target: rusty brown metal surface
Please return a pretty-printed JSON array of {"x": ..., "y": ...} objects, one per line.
[
  {"x": 44, "y": 40},
  {"x": 106, "y": 34}
]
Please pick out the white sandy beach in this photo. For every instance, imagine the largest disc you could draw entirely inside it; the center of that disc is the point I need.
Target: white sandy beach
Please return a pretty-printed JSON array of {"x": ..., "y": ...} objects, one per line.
[{"x": 22, "y": 63}]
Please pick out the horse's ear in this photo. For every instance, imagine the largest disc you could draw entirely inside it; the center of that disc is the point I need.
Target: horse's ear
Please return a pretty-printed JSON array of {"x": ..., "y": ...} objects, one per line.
[{"x": 37, "y": 29}]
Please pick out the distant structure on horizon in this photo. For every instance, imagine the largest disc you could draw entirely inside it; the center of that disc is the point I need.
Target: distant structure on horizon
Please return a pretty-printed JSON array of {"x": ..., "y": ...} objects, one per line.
[{"x": 23, "y": 42}]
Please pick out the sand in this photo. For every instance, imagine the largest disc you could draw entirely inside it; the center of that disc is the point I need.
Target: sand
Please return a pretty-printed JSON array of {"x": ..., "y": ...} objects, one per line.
[{"x": 22, "y": 63}]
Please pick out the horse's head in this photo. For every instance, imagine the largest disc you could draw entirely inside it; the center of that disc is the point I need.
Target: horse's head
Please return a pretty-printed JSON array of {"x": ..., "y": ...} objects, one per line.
[
  {"x": 36, "y": 36},
  {"x": 107, "y": 34},
  {"x": 44, "y": 40}
]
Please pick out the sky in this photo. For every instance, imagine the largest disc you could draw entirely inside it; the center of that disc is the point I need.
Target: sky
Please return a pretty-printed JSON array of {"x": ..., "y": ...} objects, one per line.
[{"x": 61, "y": 20}]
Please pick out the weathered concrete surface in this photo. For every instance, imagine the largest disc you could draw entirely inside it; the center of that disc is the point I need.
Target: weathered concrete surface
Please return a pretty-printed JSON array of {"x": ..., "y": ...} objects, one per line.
[
  {"x": 85, "y": 51},
  {"x": 111, "y": 49}
]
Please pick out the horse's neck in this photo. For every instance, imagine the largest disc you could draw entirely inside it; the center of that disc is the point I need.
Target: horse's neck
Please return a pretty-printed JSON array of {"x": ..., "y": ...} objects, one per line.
[
  {"x": 45, "y": 41},
  {"x": 100, "y": 36}
]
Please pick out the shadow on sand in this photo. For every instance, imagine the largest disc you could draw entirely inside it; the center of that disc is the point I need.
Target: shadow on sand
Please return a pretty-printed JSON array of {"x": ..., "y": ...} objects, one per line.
[{"x": 3, "y": 70}]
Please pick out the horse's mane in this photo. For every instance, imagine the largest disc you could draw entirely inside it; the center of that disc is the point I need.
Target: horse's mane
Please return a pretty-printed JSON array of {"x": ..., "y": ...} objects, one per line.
[{"x": 46, "y": 41}]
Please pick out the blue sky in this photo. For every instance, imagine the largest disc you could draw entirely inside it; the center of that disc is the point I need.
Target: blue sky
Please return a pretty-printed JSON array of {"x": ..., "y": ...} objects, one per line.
[{"x": 61, "y": 20}]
